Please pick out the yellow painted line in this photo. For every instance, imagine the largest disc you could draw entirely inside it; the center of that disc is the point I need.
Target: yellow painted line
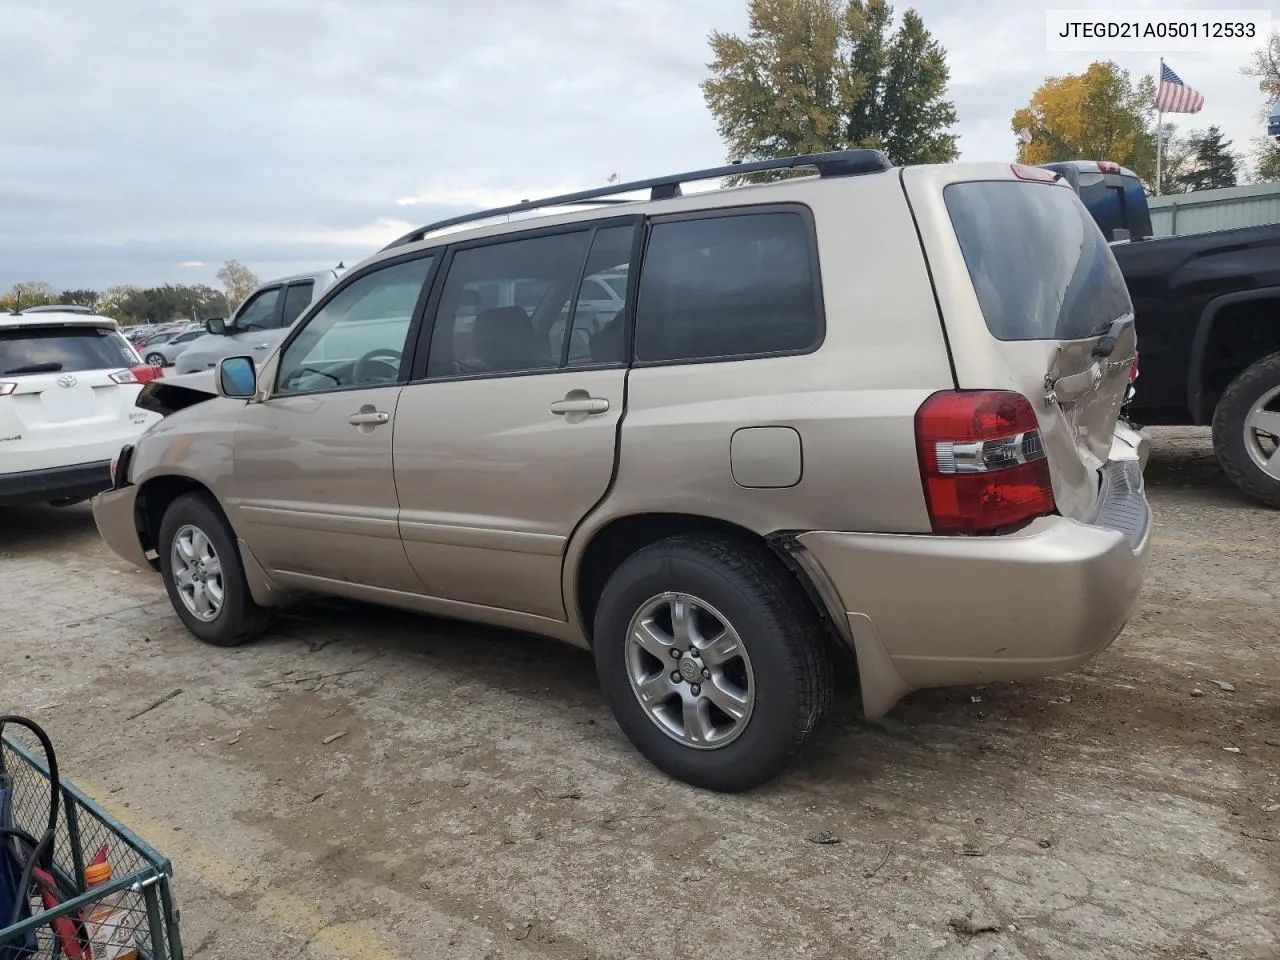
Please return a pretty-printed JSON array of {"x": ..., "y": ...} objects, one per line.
[
  {"x": 287, "y": 911},
  {"x": 1216, "y": 547}
]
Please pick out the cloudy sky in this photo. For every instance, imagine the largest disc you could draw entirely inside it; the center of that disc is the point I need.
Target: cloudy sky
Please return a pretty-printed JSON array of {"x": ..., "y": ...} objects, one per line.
[{"x": 148, "y": 141}]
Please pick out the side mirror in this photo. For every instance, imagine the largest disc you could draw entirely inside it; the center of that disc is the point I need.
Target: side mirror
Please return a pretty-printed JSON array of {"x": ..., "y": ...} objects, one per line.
[
  {"x": 217, "y": 326},
  {"x": 237, "y": 378}
]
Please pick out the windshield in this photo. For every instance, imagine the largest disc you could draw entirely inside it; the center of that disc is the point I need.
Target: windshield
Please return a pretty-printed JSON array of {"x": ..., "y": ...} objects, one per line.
[
  {"x": 1039, "y": 264},
  {"x": 62, "y": 349}
]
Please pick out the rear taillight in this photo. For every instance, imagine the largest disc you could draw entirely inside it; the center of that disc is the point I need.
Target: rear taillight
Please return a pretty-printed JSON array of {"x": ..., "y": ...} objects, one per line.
[
  {"x": 1025, "y": 171},
  {"x": 1133, "y": 369},
  {"x": 982, "y": 461},
  {"x": 7, "y": 388},
  {"x": 140, "y": 374}
]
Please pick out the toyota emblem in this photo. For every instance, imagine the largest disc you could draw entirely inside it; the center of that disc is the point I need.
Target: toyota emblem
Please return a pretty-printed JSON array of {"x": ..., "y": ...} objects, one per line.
[{"x": 67, "y": 381}]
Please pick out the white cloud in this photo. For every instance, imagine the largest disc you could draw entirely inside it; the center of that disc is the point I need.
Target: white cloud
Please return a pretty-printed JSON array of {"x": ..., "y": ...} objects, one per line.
[{"x": 289, "y": 133}]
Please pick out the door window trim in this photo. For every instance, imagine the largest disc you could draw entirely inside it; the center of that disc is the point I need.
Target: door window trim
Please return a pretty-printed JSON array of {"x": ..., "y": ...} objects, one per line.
[
  {"x": 318, "y": 305},
  {"x": 589, "y": 227},
  {"x": 815, "y": 269}
]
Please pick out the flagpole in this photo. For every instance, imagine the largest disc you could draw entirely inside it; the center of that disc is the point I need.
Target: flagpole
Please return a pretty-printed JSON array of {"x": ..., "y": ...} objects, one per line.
[{"x": 1159, "y": 126}]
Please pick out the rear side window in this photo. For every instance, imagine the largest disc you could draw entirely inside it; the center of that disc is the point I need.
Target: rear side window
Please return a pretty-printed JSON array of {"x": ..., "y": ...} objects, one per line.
[
  {"x": 296, "y": 299},
  {"x": 503, "y": 306},
  {"x": 62, "y": 349},
  {"x": 728, "y": 286},
  {"x": 1038, "y": 262}
]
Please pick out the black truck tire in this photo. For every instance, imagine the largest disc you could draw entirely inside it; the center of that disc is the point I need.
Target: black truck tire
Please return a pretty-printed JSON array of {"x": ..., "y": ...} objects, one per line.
[{"x": 1235, "y": 437}]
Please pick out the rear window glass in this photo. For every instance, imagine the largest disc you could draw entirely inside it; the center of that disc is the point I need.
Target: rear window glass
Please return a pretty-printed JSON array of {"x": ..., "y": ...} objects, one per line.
[
  {"x": 62, "y": 349},
  {"x": 1039, "y": 264}
]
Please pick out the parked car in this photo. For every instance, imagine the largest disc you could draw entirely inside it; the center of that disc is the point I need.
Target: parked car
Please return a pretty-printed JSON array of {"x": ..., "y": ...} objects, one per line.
[
  {"x": 260, "y": 323},
  {"x": 163, "y": 351},
  {"x": 1206, "y": 308},
  {"x": 872, "y": 410},
  {"x": 68, "y": 386}
]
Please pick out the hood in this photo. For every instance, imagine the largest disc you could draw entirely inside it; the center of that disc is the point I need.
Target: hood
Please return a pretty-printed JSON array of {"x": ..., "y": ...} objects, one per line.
[{"x": 171, "y": 394}]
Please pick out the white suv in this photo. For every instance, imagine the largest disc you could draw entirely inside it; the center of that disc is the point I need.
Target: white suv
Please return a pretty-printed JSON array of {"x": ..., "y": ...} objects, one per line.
[{"x": 68, "y": 382}]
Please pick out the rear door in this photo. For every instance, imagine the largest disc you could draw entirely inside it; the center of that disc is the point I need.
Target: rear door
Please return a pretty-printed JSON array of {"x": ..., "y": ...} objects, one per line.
[
  {"x": 1031, "y": 298},
  {"x": 66, "y": 395},
  {"x": 508, "y": 439}
]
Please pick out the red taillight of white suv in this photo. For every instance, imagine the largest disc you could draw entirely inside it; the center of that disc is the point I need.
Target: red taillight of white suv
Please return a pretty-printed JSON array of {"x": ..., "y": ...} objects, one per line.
[
  {"x": 142, "y": 374},
  {"x": 982, "y": 461}
]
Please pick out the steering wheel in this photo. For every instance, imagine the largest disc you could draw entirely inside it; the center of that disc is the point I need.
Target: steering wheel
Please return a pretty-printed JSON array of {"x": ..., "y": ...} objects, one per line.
[{"x": 384, "y": 357}]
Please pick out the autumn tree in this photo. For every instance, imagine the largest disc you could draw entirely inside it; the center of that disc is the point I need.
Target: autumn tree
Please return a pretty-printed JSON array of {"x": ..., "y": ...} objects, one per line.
[
  {"x": 29, "y": 294},
  {"x": 1265, "y": 68},
  {"x": 238, "y": 281},
  {"x": 818, "y": 75},
  {"x": 1100, "y": 114}
]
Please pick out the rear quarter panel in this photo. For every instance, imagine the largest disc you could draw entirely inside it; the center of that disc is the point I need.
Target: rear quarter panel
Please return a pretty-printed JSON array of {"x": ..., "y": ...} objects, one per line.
[{"x": 852, "y": 400}]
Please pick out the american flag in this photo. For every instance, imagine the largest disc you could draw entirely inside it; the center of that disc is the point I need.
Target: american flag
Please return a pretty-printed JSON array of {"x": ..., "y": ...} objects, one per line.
[
  {"x": 1025, "y": 136},
  {"x": 1174, "y": 96}
]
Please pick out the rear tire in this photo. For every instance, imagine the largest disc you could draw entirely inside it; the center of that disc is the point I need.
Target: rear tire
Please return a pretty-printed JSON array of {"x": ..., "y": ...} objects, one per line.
[
  {"x": 203, "y": 574},
  {"x": 1246, "y": 431},
  {"x": 756, "y": 649}
]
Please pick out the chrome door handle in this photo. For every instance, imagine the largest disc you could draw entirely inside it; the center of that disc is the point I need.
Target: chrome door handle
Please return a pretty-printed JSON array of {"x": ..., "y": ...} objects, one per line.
[
  {"x": 368, "y": 418},
  {"x": 580, "y": 405}
]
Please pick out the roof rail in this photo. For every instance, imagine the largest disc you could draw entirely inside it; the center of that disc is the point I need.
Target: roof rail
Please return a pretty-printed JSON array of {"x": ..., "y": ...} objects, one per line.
[
  {"x": 838, "y": 163},
  {"x": 56, "y": 308}
]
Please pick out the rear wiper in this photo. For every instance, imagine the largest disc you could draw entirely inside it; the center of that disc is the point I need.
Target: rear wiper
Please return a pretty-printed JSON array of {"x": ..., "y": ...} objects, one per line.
[
  {"x": 50, "y": 366},
  {"x": 1107, "y": 345}
]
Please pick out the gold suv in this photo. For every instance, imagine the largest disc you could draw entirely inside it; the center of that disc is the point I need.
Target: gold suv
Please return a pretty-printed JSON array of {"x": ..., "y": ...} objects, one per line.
[{"x": 714, "y": 437}]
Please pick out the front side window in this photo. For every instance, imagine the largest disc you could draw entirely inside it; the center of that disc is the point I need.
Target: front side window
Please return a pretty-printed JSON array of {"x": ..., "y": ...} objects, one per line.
[
  {"x": 358, "y": 338},
  {"x": 500, "y": 305},
  {"x": 259, "y": 313},
  {"x": 724, "y": 287}
]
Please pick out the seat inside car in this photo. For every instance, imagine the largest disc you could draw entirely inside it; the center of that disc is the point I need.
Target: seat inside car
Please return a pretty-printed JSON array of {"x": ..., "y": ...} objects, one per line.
[{"x": 504, "y": 339}]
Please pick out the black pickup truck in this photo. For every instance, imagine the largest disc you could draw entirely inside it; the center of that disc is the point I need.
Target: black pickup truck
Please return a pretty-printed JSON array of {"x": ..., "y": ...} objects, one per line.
[{"x": 1208, "y": 325}]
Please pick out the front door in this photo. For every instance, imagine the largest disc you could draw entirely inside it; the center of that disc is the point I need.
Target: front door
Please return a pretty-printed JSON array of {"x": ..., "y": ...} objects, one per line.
[
  {"x": 314, "y": 487},
  {"x": 509, "y": 440}
]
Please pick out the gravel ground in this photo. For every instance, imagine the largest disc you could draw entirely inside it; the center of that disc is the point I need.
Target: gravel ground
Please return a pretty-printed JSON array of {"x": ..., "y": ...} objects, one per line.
[{"x": 482, "y": 804}]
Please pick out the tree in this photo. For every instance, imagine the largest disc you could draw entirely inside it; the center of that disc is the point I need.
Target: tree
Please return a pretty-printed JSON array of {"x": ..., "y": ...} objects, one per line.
[
  {"x": 817, "y": 75},
  {"x": 81, "y": 298},
  {"x": 1176, "y": 157},
  {"x": 1210, "y": 163},
  {"x": 238, "y": 281},
  {"x": 1267, "y": 161},
  {"x": 1265, "y": 67},
  {"x": 1100, "y": 114},
  {"x": 30, "y": 294}
]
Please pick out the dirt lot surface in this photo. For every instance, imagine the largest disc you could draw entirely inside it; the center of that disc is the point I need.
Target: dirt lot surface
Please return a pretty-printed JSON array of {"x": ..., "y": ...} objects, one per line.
[{"x": 482, "y": 804}]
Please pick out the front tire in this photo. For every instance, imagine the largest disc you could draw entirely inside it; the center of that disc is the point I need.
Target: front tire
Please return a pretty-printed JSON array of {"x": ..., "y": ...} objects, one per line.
[
  {"x": 1246, "y": 431},
  {"x": 712, "y": 659},
  {"x": 204, "y": 576},
  {"x": 155, "y": 359}
]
